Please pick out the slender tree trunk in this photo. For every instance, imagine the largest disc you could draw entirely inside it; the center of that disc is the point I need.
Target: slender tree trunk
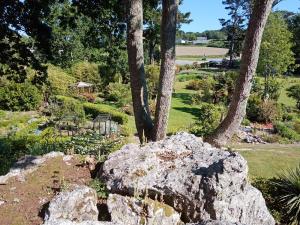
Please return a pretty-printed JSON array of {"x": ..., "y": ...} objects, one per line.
[
  {"x": 237, "y": 108},
  {"x": 151, "y": 52},
  {"x": 167, "y": 69},
  {"x": 135, "y": 50}
]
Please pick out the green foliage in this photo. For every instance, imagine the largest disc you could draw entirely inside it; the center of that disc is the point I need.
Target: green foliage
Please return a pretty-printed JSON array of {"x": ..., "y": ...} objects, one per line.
[
  {"x": 92, "y": 144},
  {"x": 119, "y": 93},
  {"x": 95, "y": 109},
  {"x": 275, "y": 51},
  {"x": 294, "y": 92},
  {"x": 152, "y": 74},
  {"x": 286, "y": 131},
  {"x": 19, "y": 97},
  {"x": 59, "y": 81},
  {"x": 209, "y": 117},
  {"x": 296, "y": 126},
  {"x": 16, "y": 50},
  {"x": 216, "y": 89},
  {"x": 100, "y": 188},
  {"x": 67, "y": 106},
  {"x": 259, "y": 110},
  {"x": 87, "y": 72},
  {"x": 288, "y": 186},
  {"x": 269, "y": 192}
]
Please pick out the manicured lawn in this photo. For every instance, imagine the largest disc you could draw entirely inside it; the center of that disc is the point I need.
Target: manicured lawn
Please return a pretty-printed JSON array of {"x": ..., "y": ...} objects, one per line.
[
  {"x": 288, "y": 82},
  {"x": 183, "y": 114},
  {"x": 269, "y": 159}
]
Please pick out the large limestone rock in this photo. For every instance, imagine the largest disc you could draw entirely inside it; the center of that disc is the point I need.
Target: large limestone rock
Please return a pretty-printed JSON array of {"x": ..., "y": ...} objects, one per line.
[
  {"x": 133, "y": 211},
  {"x": 79, "y": 204},
  {"x": 69, "y": 222},
  {"x": 199, "y": 181},
  {"x": 215, "y": 222}
]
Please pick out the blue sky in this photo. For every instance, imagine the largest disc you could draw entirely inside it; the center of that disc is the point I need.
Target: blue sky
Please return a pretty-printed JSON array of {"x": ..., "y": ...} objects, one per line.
[{"x": 206, "y": 13}]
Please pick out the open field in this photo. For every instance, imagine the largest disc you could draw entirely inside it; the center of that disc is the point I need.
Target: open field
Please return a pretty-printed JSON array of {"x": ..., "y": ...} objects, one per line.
[{"x": 200, "y": 51}]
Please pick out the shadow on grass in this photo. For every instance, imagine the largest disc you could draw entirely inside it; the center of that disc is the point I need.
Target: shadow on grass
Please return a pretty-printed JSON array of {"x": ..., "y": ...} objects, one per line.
[
  {"x": 193, "y": 111},
  {"x": 185, "y": 98}
]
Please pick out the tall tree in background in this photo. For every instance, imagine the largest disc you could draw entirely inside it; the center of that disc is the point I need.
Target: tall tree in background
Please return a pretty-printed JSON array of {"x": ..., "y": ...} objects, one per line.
[
  {"x": 152, "y": 22},
  {"x": 235, "y": 26},
  {"x": 138, "y": 84},
  {"x": 276, "y": 47},
  {"x": 167, "y": 70},
  {"x": 18, "y": 18},
  {"x": 250, "y": 55}
]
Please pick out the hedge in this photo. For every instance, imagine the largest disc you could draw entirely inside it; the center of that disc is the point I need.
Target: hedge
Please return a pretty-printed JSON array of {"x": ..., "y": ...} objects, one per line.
[{"x": 95, "y": 109}]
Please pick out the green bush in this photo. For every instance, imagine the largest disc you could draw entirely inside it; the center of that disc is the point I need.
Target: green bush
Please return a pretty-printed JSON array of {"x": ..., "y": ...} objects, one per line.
[
  {"x": 288, "y": 193},
  {"x": 120, "y": 93},
  {"x": 19, "y": 97},
  {"x": 297, "y": 126},
  {"x": 270, "y": 193},
  {"x": 95, "y": 109},
  {"x": 294, "y": 92},
  {"x": 286, "y": 132},
  {"x": 87, "y": 72},
  {"x": 67, "y": 106},
  {"x": 59, "y": 81},
  {"x": 208, "y": 119},
  {"x": 194, "y": 85},
  {"x": 92, "y": 144},
  {"x": 100, "y": 188},
  {"x": 262, "y": 111},
  {"x": 152, "y": 74}
]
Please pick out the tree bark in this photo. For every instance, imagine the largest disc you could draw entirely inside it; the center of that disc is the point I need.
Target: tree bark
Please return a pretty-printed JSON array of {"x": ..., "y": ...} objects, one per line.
[
  {"x": 237, "y": 108},
  {"x": 167, "y": 69},
  {"x": 135, "y": 50}
]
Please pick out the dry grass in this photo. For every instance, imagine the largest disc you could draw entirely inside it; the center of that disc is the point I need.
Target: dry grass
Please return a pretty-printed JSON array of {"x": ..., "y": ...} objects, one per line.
[{"x": 196, "y": 51}]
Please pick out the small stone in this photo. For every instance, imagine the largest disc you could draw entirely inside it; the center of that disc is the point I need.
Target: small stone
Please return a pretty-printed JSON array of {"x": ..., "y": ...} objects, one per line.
[
  {"x": 2, "y": 202},
  {"x": 16, "y": 200},
  {"x": 12, "y": 188}
]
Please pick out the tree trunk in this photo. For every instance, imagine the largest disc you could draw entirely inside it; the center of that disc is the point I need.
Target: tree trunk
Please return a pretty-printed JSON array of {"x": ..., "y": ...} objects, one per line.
[
  {"x": 167, "y": 69},
  {"x": 237, "y": 108},
  {"x": 151, "y": 52},
  {"x": 135, "y": 50}
]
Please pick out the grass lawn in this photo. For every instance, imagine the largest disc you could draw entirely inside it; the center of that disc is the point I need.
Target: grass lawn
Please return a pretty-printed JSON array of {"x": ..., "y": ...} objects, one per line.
[
  {"x": 269, "y": 159},
  {"x": 288, "y": 82}
]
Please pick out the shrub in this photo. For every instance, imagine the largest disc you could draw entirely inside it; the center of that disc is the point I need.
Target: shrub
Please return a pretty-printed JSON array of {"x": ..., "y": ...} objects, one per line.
[
  {"x": 262, "y": 111},
  {"x": 59, "y": 81},
  {"x": 286, "y": 131},
  {"x": 294, "y": 92},
  {"x": 269, "y": 192},
  {"x": 87, "y": 72},
  {"x": 120, "y": 93},
  {"x": 92, "y": 144},
  {"x": 100, "y": 188},
  {"x": 67, "y": 106},
  {"x": 288, "y": 191},
  {"x": 297, "y": 126},
  {"x": 95, "y": 109},
  {"x": 19, "y": 97},
  {"x": 152, "y": 75},
  {"x": 194, "y": 85},
  {"x": 209, "y": 118}
]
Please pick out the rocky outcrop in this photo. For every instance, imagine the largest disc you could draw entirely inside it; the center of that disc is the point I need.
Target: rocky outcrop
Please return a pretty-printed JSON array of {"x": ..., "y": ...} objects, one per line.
[
  {"x": 133, "y": 211},
  {"x": 69, "y": 222},
  {"x": 214, "y": 222},
  {"x": 199, "y": 181},
  {"x": 77, "y": 205}
]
